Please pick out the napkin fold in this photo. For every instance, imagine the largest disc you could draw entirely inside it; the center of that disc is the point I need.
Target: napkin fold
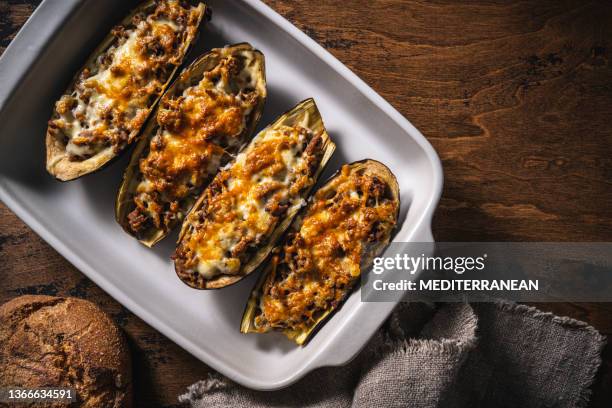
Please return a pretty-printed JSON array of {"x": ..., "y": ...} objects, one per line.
[{"x": 450, "y": 355}]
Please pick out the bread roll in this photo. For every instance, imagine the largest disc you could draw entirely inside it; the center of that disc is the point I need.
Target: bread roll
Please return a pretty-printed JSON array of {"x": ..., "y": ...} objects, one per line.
[{"x": 48, "y": 341}]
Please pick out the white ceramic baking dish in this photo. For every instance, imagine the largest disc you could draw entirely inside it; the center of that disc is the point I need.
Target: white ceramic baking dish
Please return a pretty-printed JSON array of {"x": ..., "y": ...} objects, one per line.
[{"x": 76, "y": 218}]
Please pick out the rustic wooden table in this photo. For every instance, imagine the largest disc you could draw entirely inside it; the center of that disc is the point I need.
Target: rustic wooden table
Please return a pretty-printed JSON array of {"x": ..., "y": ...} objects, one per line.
[{"x": 516, "y": 97}]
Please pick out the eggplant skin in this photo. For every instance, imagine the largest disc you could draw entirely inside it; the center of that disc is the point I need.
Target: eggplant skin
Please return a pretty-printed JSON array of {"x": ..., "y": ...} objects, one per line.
[
  {"x": 103, "y": 132},
  {"x": 176, "y": 188},
  {"x": 238, "y": 219},
  {"x": 346, "y": 224}
]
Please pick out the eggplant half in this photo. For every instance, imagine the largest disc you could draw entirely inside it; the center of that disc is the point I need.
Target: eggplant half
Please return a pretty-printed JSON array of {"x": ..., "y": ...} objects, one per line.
[
  {"x": 109, "y": 100},
  {"x": 252, "y": 201},
  {"x": 347, "y": 223},
  {"x": 204, "y": 119}
]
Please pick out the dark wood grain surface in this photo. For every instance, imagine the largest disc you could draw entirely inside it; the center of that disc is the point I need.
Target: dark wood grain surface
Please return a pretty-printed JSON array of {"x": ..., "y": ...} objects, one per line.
[{"x": 516, "y": 97}]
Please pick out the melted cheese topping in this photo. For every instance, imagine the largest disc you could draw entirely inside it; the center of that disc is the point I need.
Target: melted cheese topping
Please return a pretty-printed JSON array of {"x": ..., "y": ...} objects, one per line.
[
  {"x": 113, "y": 94},
  {"x": 198, "y": 130},
  {"x": 320, "y": 263},
  {"x": 247, "y": 201}
]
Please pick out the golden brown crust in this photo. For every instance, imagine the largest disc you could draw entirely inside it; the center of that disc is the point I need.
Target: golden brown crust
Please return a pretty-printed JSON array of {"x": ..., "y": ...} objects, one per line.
[
  {"x": 48, "y": 341},
  {"x": 221, "y": 209},
  {"x": 347, "y": 222},
  {"x": 204, "y": 119},
  {"x": 110, "y": 98},
  {"x": 248, "y": 205}
]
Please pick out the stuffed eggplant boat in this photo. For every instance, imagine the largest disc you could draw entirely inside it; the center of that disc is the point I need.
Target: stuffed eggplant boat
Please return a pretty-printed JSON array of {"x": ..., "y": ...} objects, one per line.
[
  {"x": 206, "y": 116},
  {"x": 250, "y": 203},
  {"x": 347, "y": 223},
  {"x": 108, "y": 102}
]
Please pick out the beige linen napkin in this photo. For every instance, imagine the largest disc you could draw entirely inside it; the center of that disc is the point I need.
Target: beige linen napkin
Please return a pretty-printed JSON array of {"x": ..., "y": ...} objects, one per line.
[{"x": 455, "y": 355}]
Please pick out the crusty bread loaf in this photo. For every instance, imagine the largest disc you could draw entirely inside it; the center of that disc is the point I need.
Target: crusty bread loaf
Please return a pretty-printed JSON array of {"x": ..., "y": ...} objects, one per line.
[{"x": 48, "y": 341}]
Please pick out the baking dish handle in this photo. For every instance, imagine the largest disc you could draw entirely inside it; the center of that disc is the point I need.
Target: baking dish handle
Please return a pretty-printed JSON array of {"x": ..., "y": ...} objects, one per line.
[{"x": 423, "y": 234}]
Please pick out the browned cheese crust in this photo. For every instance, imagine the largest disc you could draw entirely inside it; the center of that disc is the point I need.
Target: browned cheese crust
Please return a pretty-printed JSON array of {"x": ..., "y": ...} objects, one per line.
[
  {"x": 111, "y": 97},
  {"x": 321, "y": 262},
  {"x": 245, "y": 203},
  {"x": 198, "y": 130}
]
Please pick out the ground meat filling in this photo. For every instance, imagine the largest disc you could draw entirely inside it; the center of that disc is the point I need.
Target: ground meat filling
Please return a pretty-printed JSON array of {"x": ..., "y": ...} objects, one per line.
[
  {"x": 321, "y": 262},
  {"x": 245, "y": 203},
  {"x": 112, "y": 95},
  {"x": 199, "y": 128}
]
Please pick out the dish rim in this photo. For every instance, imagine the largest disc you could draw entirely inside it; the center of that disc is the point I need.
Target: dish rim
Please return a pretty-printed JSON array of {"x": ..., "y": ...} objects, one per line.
[{"x": 22, "y": 54}]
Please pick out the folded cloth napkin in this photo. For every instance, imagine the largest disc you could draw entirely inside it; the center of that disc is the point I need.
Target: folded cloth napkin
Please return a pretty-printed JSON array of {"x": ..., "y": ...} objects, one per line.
[{"x": 452, "y": 355}]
